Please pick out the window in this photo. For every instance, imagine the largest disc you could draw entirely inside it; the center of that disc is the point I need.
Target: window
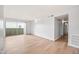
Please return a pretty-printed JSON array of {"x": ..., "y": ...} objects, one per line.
[
  {"x": 15, "y": 24},
  {"x": 15, "y": 28}
]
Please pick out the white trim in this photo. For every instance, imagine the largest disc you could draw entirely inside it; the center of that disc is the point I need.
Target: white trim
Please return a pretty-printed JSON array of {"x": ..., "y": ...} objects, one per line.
[{"x": 56, "y": 38}]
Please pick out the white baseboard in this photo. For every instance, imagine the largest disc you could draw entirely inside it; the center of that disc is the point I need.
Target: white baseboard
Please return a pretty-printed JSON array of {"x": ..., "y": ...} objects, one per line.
[
  {"x": 57, "y": 38},
  {"x": 43, "y": 37}
]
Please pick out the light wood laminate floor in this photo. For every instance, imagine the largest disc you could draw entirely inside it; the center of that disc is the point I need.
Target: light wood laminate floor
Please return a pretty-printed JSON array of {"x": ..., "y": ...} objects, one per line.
[{"x": 30, "y": 44}]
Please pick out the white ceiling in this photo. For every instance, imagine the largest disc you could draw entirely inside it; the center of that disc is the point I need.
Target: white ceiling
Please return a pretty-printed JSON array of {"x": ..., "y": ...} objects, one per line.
[{"x": 30, "y": 12}]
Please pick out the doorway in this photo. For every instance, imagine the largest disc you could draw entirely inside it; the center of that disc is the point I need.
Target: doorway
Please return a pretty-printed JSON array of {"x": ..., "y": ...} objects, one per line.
[{"x": 61, "y": 27}]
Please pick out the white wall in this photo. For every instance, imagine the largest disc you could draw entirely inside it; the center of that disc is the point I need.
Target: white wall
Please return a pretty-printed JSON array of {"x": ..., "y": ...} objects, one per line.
[
  {"x": 25, "y": 28},
  {"x": 1, "y": 29},
  {"x": 1, "y": 34},
  {"x": 61, "y": 29},
  {"x": 74, "y": 27},
  {"x": 66, "y": 28},
  {"x": 44, "y": 28},
  {"x": 1, "y": 11}
]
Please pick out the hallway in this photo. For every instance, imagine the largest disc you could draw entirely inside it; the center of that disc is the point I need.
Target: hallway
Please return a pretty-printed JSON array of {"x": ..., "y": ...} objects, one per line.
[{"x": 37, "y": 45}]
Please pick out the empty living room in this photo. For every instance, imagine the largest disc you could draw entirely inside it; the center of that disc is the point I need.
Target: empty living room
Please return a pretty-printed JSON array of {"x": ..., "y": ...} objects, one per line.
[{"x": 39, "y": 29}]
